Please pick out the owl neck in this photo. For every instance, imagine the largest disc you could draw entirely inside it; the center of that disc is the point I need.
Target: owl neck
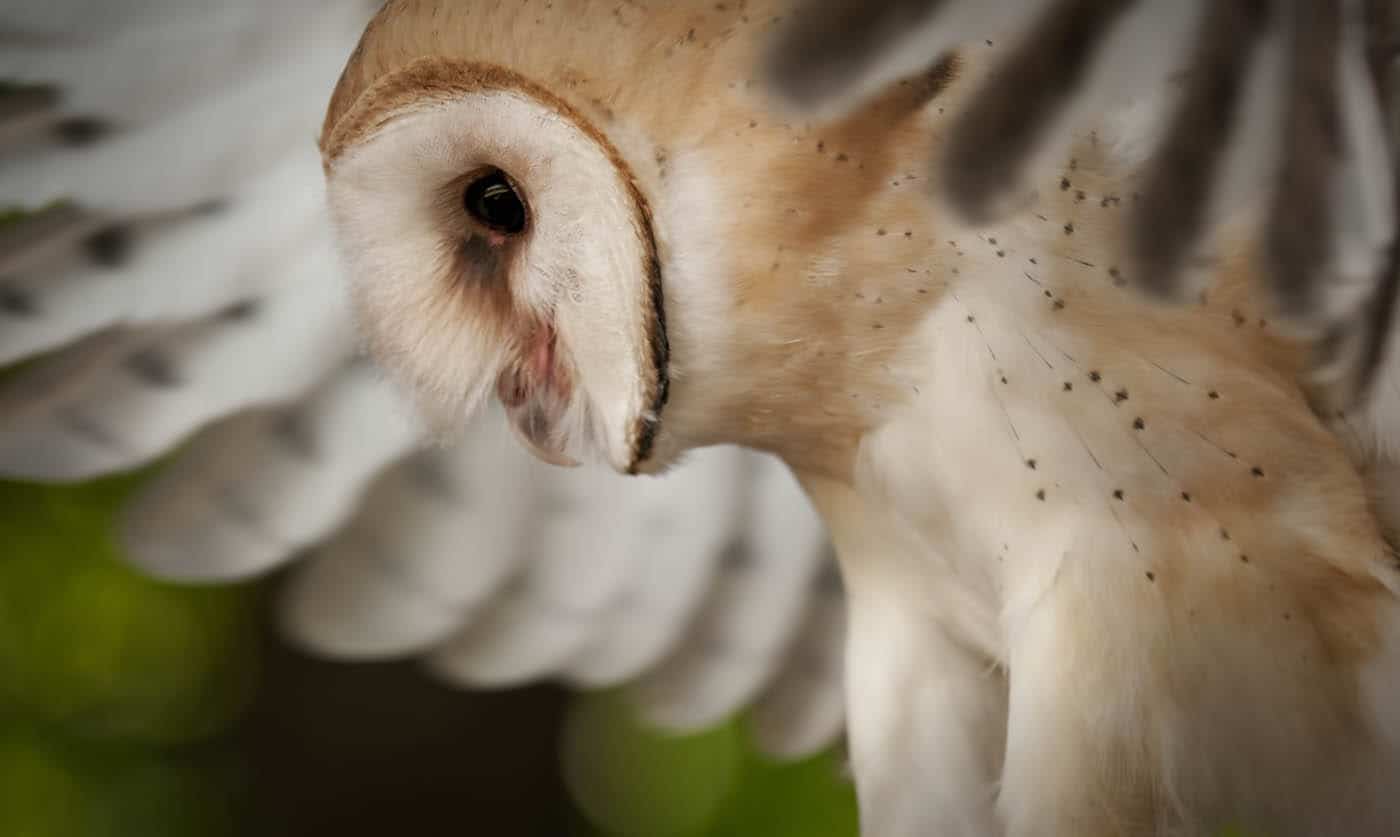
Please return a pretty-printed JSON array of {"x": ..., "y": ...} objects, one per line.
[
  {"x": 844, "y": 331},
  {"x": 841, "y": 278}
]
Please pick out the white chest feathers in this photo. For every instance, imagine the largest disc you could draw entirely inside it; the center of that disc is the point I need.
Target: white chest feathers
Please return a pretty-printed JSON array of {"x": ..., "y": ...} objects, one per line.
[{"x": 1131, "y": 571}]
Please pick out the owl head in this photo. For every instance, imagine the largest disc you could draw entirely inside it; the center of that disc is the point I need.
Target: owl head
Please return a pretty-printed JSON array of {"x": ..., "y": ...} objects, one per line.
[{"x": 589, "y": 211}]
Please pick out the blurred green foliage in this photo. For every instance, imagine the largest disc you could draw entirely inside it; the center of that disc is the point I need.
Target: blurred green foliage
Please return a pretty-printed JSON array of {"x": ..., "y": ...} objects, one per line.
[
  {"x": 635, "y": 781},
  {"x": 89, "y": 644},
  {"x": 55, "y": 785},
  {"x": 110, "y": 683}
]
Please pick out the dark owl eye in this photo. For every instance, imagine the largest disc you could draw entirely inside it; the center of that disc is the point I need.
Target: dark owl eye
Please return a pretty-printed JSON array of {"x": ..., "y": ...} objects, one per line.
[{"x": 492, "y": 200}]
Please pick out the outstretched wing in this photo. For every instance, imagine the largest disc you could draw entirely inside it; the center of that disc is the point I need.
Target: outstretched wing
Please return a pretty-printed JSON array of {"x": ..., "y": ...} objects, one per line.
[
  {"x": 1279, "y": 108},
  {"x": 172, "y": 293}
]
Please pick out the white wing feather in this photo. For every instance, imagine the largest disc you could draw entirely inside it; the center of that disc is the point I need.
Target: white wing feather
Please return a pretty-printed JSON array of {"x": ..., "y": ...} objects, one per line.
[
  {"x": 191, "y": 50},
  {"x": 437, "y": 536},
  {"x": 222, "y": 335},
  {"x": 285, "y": 479},
  {"x": 265, "y": 103},
  {"x": 752, "y": 614},
  {"x": 89, "y": 20},
  {"x": 147, "y": 399},
  {"x": 804, "y": 709},
  {"x": 578, "y": 559},
  {"x": 685, "y": 522},
  {"x": 182, "y": 269}
]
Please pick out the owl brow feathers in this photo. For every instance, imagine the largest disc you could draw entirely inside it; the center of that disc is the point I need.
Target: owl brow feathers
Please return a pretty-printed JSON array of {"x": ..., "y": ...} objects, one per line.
[{"x": 357, "y": 115}]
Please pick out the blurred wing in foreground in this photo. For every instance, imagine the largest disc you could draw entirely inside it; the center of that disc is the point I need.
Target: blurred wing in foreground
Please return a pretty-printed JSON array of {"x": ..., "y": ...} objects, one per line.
[
  {"x": 172, "y": 289},
  {"x": 1278, "y": 111}
]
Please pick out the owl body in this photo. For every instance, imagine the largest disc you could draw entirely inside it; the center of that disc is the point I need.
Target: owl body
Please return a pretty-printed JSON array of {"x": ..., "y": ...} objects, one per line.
[{"x": 1108, "y": 572}]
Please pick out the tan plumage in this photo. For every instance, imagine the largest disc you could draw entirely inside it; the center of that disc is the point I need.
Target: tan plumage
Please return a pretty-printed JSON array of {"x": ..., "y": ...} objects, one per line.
[
  {"x": 1278, "y": 106},
  {"x": 1108, "y": 573}
]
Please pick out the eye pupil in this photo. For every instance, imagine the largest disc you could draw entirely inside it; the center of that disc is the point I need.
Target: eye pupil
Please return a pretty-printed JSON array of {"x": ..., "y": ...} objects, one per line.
[{"x": 491, "y": 199}]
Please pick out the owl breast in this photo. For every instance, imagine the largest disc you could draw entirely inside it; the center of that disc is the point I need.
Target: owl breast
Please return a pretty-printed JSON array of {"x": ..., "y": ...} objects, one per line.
[{"x": 1055, "y": 422}]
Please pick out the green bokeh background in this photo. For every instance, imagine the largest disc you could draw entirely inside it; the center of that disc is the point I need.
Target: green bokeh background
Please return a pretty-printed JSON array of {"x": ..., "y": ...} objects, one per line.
[
  {"x": 119, "y": 697},
  {"x": 114, "y": 689}
]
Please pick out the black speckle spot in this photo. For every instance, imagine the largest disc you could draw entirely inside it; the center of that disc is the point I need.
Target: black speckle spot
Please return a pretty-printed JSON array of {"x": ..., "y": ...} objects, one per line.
[
  {"x": 1151, "y": 576},
  {"x": 1118, "y": 494},
  {"x": 1095, "y": 376},
  {"x": 240, "y": 311},
  {"x": 110, "y": 247},
  {"x": 1068, "y": 387},
  {"x": 738, "y": 557},
  {"x": 882, "y": 231},
  {"x": 1139, "y": 424},
  {"x": 1069, "y": 228},
  {"x": 1001, "y": 254},
  {"x": 1120, "y": 396},
  {"x": 1257, "y": 471},
  {"x": 1059, "y": 305},
  {"x": 1224, "y": 534},
  {"x": 1186, "y": 495},
  {"x": 828, "y": 580},
  {"x": 1214, "y": 396},
  {"x": 1237, "y": 317},
  {"x": 842, "y": 157},
  {"x": 1040, "y": 495},
  {"x": 971, "y": 319},
  {"x": 1064, "y": 184},
  {"x": 154, "y": 369},
  {"x": 1244, "y": 559},
  {"x": 88, "y": 428},
  {"x": 291, "y": 430},
  {"x": 1030, "y": 463},
  {"x": 1003, "y": 380},
  {"x": 81, "y": 131},
  {"x": 17, "y": 303}
]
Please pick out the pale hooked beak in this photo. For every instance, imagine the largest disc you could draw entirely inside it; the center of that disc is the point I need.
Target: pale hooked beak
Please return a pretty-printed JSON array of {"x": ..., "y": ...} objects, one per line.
[{"x": 535, "y": 394}]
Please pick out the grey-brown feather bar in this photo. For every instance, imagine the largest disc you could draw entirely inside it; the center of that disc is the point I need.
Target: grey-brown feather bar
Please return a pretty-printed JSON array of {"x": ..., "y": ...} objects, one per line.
[{"x": 1284, "y": 107}]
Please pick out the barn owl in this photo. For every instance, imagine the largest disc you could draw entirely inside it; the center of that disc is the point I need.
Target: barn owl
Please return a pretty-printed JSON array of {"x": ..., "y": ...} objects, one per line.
[
  {"x": 1279, "y": 108},
  {"x": 175, "y": 297},
  {"x": 1106, "y": 570}
]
